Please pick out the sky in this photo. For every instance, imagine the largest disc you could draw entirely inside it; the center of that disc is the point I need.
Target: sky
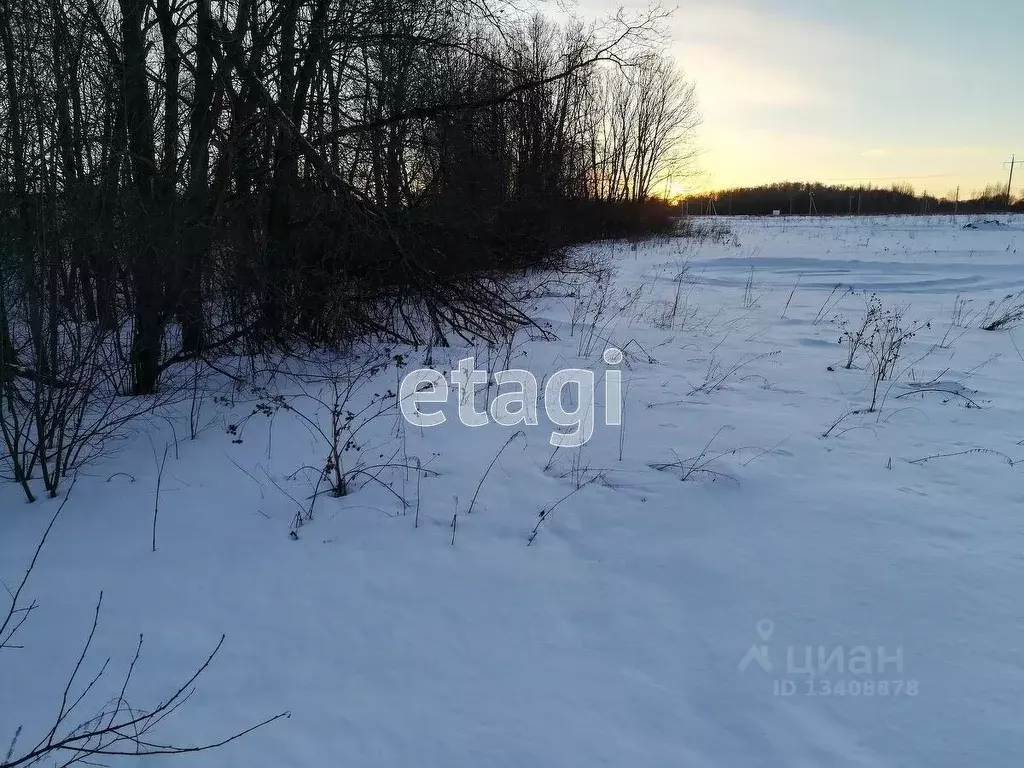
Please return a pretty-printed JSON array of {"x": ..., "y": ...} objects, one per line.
[{"x": 924, "y": 91}]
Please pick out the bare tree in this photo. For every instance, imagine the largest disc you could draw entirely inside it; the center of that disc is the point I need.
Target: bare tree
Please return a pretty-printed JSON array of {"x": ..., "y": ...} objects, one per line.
[{"x": 644, "y": 131}]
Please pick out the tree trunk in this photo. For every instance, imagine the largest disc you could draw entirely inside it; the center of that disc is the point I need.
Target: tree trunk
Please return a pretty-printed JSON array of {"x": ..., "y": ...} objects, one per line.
[
  {"x": 196, "y": 240},
  {"x": 147, "y": 331}
]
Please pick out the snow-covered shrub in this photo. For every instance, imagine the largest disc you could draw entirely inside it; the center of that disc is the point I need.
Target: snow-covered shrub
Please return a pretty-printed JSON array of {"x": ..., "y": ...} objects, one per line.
[
  {"x": 885, "y": 345},
  {"x": 1004, "y": 314},
  {"x": 855, "y": 336}
]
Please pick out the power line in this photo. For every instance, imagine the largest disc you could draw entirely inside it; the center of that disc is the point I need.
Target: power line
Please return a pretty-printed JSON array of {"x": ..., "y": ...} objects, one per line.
[{"x": 900, "y": 178}]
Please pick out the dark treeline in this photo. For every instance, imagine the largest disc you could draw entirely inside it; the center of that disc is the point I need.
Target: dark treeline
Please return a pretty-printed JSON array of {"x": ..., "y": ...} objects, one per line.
[
  {"x": 831, "y": 200},
  {"x": 185, "y": 178}
]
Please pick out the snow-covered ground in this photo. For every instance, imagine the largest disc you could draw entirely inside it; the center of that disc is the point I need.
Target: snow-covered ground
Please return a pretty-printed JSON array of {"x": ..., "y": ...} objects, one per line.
[{"x": 719, "y": 584}]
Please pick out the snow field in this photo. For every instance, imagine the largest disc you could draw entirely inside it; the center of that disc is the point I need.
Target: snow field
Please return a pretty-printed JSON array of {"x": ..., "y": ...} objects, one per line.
[{"x": 667, "y": 550}]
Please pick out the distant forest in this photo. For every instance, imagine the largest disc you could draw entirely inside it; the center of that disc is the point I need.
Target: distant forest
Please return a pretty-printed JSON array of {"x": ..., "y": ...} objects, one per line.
[{"x": 831, "y": 200}]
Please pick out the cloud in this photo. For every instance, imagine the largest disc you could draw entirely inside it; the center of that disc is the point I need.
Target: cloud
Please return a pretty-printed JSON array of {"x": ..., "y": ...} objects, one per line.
[
  {"x": 729, "y": 80},
  {"x": 746, "y": 61},
  {"x": 743, "y": 58}
]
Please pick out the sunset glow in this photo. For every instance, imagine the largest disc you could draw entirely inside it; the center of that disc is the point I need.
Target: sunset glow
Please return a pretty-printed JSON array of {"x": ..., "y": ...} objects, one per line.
[{"x": 922, "y": 91}]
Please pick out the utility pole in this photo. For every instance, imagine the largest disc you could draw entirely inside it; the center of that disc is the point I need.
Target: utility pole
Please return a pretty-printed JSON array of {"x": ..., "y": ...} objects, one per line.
[
  {"x": 956, "y": 203},
  {"x": 1009, "y": 183}
]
